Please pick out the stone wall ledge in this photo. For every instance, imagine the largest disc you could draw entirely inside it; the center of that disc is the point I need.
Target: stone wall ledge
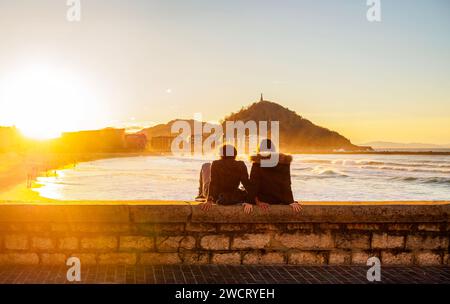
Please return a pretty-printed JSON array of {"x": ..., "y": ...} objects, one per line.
[
  {"x": 183, "y": 212},
  {"x": 155, "y": 233}
]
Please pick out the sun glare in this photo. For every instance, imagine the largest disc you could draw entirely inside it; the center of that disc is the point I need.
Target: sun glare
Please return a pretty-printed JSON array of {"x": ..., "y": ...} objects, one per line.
[{"x": 44, "y": 101}]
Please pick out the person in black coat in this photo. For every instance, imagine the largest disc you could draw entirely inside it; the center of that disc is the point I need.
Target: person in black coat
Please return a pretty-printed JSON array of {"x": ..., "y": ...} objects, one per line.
[
  {"x": 227, "y": 174},
  {"x": 272, "y": 185}
]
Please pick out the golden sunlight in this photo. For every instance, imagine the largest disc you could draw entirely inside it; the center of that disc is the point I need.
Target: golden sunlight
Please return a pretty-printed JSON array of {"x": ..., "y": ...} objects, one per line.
[{"x": 43, "y": 101}]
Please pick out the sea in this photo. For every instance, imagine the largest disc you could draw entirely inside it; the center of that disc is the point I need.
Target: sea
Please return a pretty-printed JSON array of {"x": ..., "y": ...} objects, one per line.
[{"x": 329, "y": 177}]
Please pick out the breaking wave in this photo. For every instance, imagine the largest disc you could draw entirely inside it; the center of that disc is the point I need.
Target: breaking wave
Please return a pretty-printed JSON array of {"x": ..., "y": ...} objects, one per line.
[{"x": 424, "y": 180}]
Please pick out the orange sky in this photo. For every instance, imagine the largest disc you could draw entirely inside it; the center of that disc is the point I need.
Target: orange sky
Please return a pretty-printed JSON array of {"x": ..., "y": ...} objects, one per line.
[{"x": 143, "y": 62}]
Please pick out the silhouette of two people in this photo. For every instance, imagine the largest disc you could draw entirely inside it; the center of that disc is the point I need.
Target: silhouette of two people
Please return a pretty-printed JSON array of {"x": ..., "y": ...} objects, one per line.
[{"x": 220, "y": 181}]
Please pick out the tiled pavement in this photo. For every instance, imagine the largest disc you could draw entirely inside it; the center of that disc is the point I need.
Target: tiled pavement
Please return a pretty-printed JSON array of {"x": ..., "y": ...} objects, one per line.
[{"x": 206, "y": 274}]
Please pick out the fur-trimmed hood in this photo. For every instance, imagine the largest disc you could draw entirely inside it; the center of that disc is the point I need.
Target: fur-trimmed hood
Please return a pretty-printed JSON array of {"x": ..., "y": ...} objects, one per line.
[{"x": 284, "y": 159}]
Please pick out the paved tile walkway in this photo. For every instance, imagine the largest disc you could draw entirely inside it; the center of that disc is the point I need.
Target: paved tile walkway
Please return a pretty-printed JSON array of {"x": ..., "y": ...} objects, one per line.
[{"x": 206, "y": 274}]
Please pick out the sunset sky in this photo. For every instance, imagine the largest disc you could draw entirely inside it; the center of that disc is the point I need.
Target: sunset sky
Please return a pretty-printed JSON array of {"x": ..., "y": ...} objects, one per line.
[{"x": 144, "y": 62}]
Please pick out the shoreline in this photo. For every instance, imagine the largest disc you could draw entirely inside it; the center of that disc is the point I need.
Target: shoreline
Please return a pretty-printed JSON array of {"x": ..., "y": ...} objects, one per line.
[
  {"x": 424, "y": 153},
  {"x": 14, "y": 168}
]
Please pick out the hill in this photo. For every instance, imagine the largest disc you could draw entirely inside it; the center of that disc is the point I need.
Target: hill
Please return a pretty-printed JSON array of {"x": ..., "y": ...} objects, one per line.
[
  {"x": 165, "y": 129},
  {"x": 297, "y": 134}
]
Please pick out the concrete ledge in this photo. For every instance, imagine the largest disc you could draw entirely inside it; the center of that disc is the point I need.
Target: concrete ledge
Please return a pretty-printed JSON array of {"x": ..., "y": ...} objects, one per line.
[
  {"x": 148, "y": 212},
  {"x": 160, "y": 233},
  {"x": 327, "y": 213},
  {"x": 64, "y": 213},
  {"x": 160, "y": 214}
]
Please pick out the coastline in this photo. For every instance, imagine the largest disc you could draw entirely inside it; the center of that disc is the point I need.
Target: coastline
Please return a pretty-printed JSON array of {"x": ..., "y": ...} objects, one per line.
[
  {"x": 14, "y": 167},
  {"x": 423, "y": 153}
]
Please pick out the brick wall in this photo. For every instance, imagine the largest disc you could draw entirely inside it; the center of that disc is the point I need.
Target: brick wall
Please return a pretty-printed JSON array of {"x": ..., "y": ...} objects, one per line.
[{"x": 139, "y": 233}]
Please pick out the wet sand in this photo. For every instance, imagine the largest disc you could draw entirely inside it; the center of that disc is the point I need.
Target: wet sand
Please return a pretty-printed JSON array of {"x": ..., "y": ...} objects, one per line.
[{"x": 15, "y": 168}]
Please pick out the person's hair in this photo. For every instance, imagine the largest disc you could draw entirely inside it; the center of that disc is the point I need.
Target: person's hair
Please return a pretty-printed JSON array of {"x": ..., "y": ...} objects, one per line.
[
  {"x": 267, "y": 145},
  {"x": 227, "y": 152}
]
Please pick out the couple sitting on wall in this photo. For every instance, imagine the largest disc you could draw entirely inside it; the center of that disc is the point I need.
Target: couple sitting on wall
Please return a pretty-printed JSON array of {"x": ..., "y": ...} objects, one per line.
[{"x": 220, "y": 181}]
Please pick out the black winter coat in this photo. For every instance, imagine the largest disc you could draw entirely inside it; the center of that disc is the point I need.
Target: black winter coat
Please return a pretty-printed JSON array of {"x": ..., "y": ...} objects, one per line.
[
  {"x": 226, "y": 176},
  {"x": 272, "y": 185}
]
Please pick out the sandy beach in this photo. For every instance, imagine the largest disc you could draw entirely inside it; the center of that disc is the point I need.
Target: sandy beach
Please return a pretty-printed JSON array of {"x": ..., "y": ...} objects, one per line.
[{"x": 15, "y": 168}]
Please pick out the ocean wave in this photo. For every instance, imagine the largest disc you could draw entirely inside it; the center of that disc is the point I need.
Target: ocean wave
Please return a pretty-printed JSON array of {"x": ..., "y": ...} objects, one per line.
[
  {"x": 346, "y": 162},
  {"x": 405, "y": 169},
  {"x": 327, "y": 172},
  {"x": 424, "y": 180}
]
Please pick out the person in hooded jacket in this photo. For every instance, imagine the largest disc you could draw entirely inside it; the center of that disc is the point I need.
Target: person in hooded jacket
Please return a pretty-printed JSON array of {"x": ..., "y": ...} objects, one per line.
[
  {"x": 227, "y": 174},
  {"x": 271, "y": 185}
]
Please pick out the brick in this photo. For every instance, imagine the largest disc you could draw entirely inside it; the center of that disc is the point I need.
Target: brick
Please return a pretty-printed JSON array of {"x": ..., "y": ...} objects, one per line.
[
  {"x": 58, "y": 227},
  {"x": 99, "y": 243},
  {"x": 306, "y": 258},
  {"x": 161, "y": 228},
  {"x": 53, "y": 259},
  {"x": 339, "y": 258},
  {"x": 364, "y": 227},
  {"x": 195, "y": 258},
  {"x": 35, "y": 227},
  {"x": 100, "y": 228},
  {"x": 226, "y": 258},
  {"x": 196, "y": 227},
  {"x": 266, "y": 227},
  {"x": 86, "y": 258},
  {"x": 446, "y": 259},
  {"x": 139, "y": 243},
  {"x": 305, "y": 241},
  {"x": 175, "y": 243},
  {"x": 360, "y": 257},
  {"x": 16, "y": 242},
  {"x": 386, "y": 241},
  {"x": 68, "y": 243},
  {"x": 401, "y": 227},
  {"x": 300, "y": 227},
  {"x": 426, "y": 242},
  {"x": 159, "y": 259},
  {"x": 328, "y": 226},
  {"x": 117, "y": 259},
  {"x": 428, "y": 259},
  {"x": 234, "y": 227},
  {"x": 19, "y": 259},
  {"x": 429, "y": 227},
  {"x": 270, "y": 258},
  {"x": 215, "y": 242},
  {"x": 251, "y": 241},
  {"x": 41, "y": 243},
  {"x": 404, "y": 258},
  {"x": 352, "y": 241},
  {"x": 11, "y": 228}
]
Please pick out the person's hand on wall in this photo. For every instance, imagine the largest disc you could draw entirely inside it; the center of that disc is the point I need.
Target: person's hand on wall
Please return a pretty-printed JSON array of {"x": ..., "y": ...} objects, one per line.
[
  {"x": 206, "y": 206},
  {"x": 248, "y": 208},
  {"x": 264, "y": 206},
  {"x": 296, "y": 207}
]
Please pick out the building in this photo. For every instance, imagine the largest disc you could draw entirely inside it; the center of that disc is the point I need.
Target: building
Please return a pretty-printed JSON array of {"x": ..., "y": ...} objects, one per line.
[
  {"x": 162, "y": 143},
  {"x": 136, "y": 142},
  {"x": 105, "y": 140}
]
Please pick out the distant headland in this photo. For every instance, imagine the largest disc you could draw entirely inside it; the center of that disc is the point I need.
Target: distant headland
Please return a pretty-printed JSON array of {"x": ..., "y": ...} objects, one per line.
[{"x": 297, "y": 135}]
